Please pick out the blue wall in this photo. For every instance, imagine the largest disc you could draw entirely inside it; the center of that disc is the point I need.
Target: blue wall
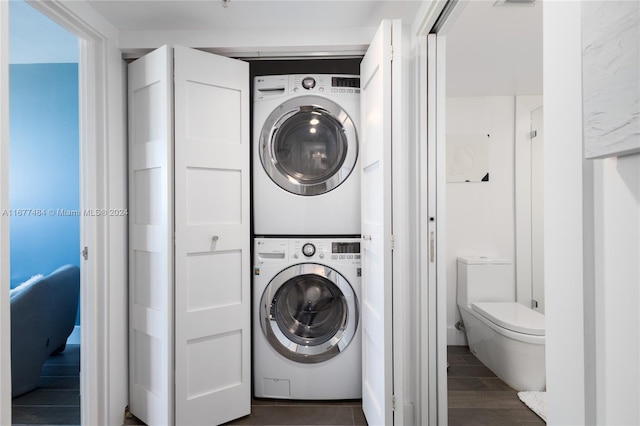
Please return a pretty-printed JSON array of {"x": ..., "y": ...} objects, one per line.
[
  {"x": 36, "y": 39},
  {"x": 44, "y": 168}
]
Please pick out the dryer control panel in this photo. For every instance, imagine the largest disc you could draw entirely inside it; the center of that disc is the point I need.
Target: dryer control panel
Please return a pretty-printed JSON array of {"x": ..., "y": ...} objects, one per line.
[{"x": 272, "y": 86}]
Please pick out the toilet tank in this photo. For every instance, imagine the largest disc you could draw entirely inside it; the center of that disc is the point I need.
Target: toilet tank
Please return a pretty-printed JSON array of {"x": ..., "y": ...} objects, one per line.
[{"x": 483, "y": 279}]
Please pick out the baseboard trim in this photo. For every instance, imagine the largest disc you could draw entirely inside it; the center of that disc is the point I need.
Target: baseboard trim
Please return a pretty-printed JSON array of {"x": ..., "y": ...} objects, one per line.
[{"x": 456, "y": 337}]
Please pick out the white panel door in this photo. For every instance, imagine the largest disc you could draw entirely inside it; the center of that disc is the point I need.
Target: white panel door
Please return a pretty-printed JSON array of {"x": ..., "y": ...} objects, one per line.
[
  {"x": 377, "y": 325},
  {"x": 212, "y": 282},
  {"x": 150, "y": 238}
]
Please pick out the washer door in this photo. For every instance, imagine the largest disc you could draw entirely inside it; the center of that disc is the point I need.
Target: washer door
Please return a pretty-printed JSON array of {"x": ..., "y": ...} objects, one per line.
[
  {"x": 309, "y": 313},
  {"x": 308, "y": 145}
]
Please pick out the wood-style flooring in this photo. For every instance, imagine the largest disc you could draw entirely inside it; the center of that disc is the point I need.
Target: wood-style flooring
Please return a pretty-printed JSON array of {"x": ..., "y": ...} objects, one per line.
[
  {"x": 281, "y": 412},
  {"x": 478, "y": 398},
  {"x": 56, "y": 401},
  {"x": 276, "y": 412}
]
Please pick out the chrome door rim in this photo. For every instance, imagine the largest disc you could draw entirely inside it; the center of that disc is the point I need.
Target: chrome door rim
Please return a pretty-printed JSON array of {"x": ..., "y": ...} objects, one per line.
[
  {"x": 281, "y": 114},
  {"x": 330, "y": 347}
]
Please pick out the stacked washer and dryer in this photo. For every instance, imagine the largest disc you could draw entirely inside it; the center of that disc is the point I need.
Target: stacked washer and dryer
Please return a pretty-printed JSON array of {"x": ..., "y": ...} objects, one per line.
[{"x": 306, "y": 212}]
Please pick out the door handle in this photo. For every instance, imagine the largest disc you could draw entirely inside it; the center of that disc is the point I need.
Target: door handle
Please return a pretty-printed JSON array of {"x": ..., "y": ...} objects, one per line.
[{"x": 432, "y": 247}]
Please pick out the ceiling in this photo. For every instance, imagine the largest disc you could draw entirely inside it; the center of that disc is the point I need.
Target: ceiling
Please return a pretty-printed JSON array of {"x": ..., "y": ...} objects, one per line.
[
  {"x": 495, "y": 50},
  {"x": 254, "y": 14},
  {"x": 490, "y": 50}
]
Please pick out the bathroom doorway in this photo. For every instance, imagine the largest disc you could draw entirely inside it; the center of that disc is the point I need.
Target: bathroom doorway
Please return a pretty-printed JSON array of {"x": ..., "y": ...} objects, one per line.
[{"x": 493, "y": 175}]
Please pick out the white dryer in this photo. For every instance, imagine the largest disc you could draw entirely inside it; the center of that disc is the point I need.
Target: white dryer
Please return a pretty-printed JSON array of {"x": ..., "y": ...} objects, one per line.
[
  {"x": 306, "y": 331},
  {"x": 306, "y": 177}
]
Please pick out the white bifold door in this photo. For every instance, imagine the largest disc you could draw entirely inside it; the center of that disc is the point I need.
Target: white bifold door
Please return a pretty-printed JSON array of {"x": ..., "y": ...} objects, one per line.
[
  {"x": 190, "y": 268},
  {"x": 377, "y": 234},
  {"x": 189, "y": 230}
]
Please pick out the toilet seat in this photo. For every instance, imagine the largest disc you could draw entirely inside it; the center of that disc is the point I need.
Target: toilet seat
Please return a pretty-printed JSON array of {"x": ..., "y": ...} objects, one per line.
[{"x": 512, "y": 316}]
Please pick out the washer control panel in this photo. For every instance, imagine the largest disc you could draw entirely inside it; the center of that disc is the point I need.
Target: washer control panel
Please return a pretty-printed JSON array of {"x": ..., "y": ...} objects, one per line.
[
  {"x": 344, "y": 251},
  {"x": 308, "y": 249}
]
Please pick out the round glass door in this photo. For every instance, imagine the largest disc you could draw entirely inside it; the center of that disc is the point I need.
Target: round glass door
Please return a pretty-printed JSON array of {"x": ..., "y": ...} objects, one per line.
[
  {"x": 308, "y": 145},
  {"x": 309, "y": 313}
]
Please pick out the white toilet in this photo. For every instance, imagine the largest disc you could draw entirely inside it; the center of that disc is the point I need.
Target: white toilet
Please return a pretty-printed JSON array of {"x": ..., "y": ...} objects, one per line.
[{"x": 503, "y": 334}]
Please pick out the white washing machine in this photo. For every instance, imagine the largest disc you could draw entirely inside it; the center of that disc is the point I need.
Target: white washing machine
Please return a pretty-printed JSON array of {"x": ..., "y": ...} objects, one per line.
[
  {"x": 306, "y": 168},
  {"x": 306, "y": 332}
]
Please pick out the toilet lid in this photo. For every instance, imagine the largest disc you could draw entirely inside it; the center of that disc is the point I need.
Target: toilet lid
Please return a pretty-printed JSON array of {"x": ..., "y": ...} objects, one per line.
[{"x": 512, "y": 316}]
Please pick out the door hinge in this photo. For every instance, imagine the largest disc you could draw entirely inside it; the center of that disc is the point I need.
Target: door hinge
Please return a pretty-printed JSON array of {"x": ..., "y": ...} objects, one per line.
[
  {"x": 391, "y": 48},
  {"x": 85, "y": 253},
  {"x": 393, "y": 403},
  {"x": 534, "y": 133},
  {"x": 534, "y": 303},
  {"x": 393, "y": 242}
]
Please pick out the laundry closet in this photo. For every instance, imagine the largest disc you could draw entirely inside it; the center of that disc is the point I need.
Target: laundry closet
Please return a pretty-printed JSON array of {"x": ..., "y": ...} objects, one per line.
[
  {"x": 201, "y": 285},
  {"x": 306, "y": 273}
]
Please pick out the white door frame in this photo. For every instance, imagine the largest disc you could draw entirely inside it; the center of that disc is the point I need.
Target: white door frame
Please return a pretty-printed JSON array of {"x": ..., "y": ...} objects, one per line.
[
  {"x": 98, "y": 130},
  {"x": 431, "y": 261},
  {"x": 5, "y": 327}
]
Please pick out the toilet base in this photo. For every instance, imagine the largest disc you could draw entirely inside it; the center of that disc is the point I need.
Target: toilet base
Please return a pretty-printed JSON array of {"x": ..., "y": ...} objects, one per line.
[{"x": 518, "y": 359}]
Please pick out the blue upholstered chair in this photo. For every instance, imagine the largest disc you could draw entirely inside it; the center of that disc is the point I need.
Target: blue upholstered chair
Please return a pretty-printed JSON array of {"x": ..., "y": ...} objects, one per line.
[{"x": 43, "y": 315}]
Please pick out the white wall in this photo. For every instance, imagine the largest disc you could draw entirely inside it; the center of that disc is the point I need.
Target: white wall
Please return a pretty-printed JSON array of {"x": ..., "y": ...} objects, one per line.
[
  {"x": 617, "y": 286},
  {"x": 592, "y": 250},
  {"x": 480, "y": 215},
  {"x": 563, "y": 214},
  {"x": 615, "y": 220}
]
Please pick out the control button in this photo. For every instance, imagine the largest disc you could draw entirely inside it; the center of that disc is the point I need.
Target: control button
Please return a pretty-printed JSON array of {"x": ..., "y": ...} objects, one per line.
[
  {"x": 350, "y": 91},
  {"x": 295, "y": 89},
  {"x": 334, "y": 90},
  {"x": 321, "y": 89},
  {"x": 321, "y": 256},
  {"x": 334, "y": 257},
  {"x": 308, "y": 249},
  {"x": 350, "y": 256},
  {"x": 357, "y": 256},
  {"x": 357, "y": 90},
  {"x": 308, "y": 83},
  {"x": 295, "y": 256},
  {"x": 341, "y": 90},
  {"x": 342, "y": 256}
]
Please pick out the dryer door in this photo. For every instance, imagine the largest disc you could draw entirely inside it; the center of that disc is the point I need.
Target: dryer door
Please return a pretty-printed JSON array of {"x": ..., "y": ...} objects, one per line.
[
  {"x": 308, "y": 145},
  {"x": 309, "y": 313}
]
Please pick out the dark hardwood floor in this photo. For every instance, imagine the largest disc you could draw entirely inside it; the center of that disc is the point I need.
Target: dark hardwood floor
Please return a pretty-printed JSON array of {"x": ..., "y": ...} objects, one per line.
[
  {"x": 478, "y": 398},
  {"x": 281, "y": 412},
  {"x": 276, "y": 412},
  {"x": 57, "y": 399}
]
